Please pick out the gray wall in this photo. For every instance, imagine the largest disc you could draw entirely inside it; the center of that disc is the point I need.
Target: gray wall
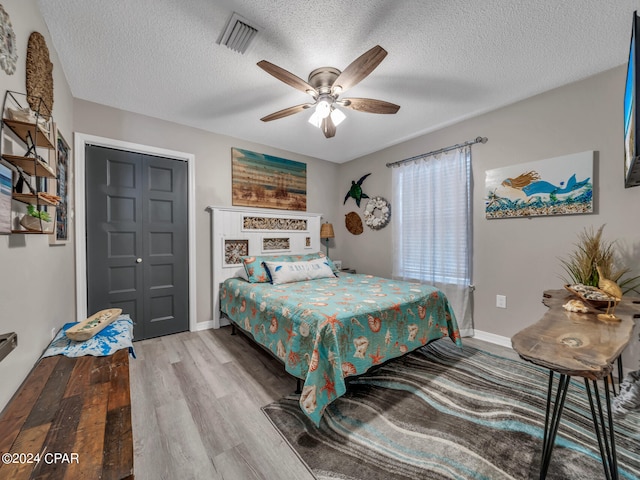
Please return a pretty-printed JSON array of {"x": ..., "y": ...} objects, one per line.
[
  {"x": 519, "y": 257},
  {"x": 212, "y": 170},
  {"x": 36, "y": 280}
]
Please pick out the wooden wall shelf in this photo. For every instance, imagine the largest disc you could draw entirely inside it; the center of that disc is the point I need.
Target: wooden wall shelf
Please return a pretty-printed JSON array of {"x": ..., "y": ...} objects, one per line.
[
  {"x": 31, "y": 166},
  {"x": 32, "y": 169},
  {"x": 31, "y": 199},
  {"x": 21, "y": 129},
  {"x": 30, "y": 232}
]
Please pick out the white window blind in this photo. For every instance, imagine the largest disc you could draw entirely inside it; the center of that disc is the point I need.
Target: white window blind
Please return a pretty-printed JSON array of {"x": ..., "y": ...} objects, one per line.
[{"x": 432, "y": 226}]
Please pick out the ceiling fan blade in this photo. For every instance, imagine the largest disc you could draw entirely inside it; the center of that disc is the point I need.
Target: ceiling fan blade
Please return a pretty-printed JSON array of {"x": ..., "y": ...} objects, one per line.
[
  {"x": 328, "y": 127},
  {"x": 369, "y": 105},
  {"x": 285, "y": 112},
  {"x": 287, "y": 77},
  {"x": 359, "y": 69}
]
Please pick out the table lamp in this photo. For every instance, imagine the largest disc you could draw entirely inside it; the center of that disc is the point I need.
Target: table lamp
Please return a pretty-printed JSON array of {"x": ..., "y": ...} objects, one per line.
[{"x": 326, "y": 232}]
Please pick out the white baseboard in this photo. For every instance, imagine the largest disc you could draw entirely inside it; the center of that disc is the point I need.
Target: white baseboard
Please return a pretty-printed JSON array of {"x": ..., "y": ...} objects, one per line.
[
  {"x": 493, "y": 338},
  {"x": 209, "y": 324},
  {"x": 203, "y": 326}
]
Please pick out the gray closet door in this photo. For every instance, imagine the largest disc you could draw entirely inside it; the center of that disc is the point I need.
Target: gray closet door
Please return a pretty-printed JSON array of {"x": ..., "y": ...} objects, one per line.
[{"x": 137, "y": 239}]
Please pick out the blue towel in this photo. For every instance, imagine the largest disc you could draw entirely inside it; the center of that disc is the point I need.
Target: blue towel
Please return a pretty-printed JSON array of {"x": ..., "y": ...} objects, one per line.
[{"x": 107, "y": 341}]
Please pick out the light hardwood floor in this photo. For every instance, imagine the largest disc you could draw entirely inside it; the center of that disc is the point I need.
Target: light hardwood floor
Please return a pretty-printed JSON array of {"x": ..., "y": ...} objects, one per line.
[{"x": 195, "y": 400}]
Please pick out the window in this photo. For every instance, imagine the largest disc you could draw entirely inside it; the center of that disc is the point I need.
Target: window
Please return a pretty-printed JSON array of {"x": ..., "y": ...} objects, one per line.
[{"x": 432, "y": 225}]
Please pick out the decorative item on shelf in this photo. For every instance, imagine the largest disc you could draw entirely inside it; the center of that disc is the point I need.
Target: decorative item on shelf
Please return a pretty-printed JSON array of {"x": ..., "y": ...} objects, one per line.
[
  {"x": 575, "y": 306},
  {"x": 21, "y": 114},
  {"x": 589, "y": 295},
  {"x": 37, "y": 220},
  {"x": 377, "y": 213},
  {"x": 355, "y": 191},
  {"x": 39, "y": 79},
  {"x": 353, "y": 222},
  {"x": 26, "y": 115},
  {"x": 614, "y": 291},
  {"x": 5, "y": 200},
  {"x": 326, "y": 232},
  {"x": 591, "y": 252},
  {"x": 91, "y": 326},
  {"x": 8, "y": 50}
]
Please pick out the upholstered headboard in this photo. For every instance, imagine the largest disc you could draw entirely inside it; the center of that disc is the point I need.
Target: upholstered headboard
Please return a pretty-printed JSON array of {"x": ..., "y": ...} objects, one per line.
[{"x": 238, "y": 231}]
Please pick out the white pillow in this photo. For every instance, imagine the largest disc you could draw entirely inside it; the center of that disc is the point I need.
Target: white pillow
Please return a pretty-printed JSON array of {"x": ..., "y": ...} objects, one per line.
[
  {"x": 242, "y": 273},
  {"x": 288, "y": 272}
]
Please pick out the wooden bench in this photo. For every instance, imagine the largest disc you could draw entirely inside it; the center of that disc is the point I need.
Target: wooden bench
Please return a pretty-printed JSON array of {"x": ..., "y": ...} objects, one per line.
[{"x": 70, "y": 419}]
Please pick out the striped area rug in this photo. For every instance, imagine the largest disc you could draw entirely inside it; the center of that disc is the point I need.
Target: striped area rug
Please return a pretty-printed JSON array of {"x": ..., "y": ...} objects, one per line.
[{"x": 448, "y": 413}]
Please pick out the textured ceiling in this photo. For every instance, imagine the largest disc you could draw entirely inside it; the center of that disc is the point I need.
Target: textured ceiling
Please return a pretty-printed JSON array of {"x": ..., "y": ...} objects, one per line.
[{"x": 448, "y": 60}]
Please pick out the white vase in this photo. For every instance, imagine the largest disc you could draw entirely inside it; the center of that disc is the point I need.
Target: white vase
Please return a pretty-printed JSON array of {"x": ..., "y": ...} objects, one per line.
[{"x": 34, "y": 224}]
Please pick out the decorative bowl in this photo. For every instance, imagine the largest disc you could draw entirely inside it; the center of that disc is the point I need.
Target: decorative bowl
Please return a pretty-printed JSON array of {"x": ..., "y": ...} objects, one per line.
[
  {"x": 86, "y": 329},
  {"x": 34, "y": 224},
  {"x": 591, "y": 295}
]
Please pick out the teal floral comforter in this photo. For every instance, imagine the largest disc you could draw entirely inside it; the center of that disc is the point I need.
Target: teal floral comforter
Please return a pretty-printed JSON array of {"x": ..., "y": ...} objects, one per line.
[{"x": 327, "y": 329}]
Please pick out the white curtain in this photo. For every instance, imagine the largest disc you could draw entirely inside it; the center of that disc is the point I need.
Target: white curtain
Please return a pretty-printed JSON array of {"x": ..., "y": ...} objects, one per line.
[{"x": 432, "y": 222}]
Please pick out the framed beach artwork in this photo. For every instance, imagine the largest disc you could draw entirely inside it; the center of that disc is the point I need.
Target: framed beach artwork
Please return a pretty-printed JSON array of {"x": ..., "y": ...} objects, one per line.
[
  {"x": 63, "y": 169},
  {"x": 264, "y": 181},
  {"x": 5, "y": 200},
  {"x": 555, "y": 186}
]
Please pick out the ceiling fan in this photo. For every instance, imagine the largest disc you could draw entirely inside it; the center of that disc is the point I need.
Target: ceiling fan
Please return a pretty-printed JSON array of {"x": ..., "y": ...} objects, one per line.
[{"x": 325, "y": 85}]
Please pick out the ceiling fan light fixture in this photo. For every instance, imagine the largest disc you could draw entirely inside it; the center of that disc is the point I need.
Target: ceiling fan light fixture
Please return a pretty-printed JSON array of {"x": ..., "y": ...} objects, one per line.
[
  {"x": 323, "y": 109},
  {"x": 337, "y": 116},
  {"x": 325, "y": 84},
  {"x": 315, "y": 119}
]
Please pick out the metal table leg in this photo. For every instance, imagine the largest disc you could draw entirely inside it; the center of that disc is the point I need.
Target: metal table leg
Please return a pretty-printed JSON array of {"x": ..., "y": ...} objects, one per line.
[
  {"x": 620, "y": 374},
  {"x": 604, "y": 430},
  {"x": 551, "y": 423},
  {"x": 606, "y": 443}
]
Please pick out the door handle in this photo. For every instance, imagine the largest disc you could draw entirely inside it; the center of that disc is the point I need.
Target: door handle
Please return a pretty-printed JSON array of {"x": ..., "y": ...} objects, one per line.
[{"x": 138, "y": 260}]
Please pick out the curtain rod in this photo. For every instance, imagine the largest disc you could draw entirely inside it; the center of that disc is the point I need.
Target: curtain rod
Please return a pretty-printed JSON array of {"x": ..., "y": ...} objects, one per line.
[{"x": 436, "y": 152}]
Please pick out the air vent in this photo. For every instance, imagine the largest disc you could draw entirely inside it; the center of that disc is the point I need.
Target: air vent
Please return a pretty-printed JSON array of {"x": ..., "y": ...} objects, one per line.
[{"x": 239, "y": 34}]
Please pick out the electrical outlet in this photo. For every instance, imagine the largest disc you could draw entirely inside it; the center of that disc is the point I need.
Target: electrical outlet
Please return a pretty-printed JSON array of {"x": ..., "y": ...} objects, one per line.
[{"x": 501, "y": 301}]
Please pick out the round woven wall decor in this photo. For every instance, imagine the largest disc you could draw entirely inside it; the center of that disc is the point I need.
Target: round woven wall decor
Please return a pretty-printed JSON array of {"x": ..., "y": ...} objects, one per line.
[
  {"x": 353, "y": 222},
  {"x": 39, "y": 75}
]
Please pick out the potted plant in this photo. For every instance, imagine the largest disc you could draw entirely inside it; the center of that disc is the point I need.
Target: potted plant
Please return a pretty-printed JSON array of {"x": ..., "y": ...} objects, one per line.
[
  {"x": 36, "y": 220},
  {"x": 593, "y": 251}
]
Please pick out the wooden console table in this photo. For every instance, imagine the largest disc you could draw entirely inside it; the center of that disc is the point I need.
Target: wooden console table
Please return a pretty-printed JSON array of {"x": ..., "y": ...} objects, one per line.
[
  {"x": 577, "y": 344},
  {"x": 70, "y": 419}
]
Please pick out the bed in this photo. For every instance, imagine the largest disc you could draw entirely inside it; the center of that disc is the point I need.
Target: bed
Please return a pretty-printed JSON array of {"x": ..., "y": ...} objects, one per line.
[
  {"x": 323, "y": 330},
  {"x": 327, "y": 329}
]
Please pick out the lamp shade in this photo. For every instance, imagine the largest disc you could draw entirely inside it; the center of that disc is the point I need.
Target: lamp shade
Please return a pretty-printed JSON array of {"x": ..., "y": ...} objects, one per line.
[
  {"x": 326, "y": 230},
  {"x": 337, "y": 116},
  {"x": 323, "y": 108}
]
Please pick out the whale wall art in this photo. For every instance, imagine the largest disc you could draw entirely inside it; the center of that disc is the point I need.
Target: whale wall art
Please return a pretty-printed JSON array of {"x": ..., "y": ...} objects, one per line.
[{"x": 555, "y": 186}]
